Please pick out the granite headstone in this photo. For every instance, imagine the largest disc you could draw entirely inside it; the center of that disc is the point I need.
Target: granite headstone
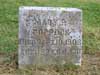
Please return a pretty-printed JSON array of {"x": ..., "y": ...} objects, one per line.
[{"x": 49, "y": 35}]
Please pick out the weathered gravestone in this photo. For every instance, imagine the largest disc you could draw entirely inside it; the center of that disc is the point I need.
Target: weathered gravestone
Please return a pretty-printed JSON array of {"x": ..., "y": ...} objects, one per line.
[{"x": 49, "y": 35}]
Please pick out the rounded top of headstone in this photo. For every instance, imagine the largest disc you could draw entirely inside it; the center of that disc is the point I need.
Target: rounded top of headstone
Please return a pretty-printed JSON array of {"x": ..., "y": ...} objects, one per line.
[{"x": 50, "y": 8}]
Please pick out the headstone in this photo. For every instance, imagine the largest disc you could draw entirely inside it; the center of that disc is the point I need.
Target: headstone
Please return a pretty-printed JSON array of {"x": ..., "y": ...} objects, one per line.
[{"x": 50, "y": 35}]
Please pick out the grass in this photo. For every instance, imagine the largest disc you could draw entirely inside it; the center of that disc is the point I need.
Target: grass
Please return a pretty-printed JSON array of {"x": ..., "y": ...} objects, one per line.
[
  {"x": 91, "y": 32},
  {"x": 9, "y": 21}
]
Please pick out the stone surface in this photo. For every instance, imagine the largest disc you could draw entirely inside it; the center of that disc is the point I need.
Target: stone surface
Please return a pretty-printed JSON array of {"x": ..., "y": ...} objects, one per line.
[{"x": 50, "y": 35}]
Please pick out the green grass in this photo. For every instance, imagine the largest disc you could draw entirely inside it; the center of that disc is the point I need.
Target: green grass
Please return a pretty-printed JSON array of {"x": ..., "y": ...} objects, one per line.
[{"x": 9, "y": 21}]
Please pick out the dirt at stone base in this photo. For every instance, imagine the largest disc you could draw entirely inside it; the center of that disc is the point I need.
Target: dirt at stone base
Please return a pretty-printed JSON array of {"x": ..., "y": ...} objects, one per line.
[{"x": 90, "y": 66}]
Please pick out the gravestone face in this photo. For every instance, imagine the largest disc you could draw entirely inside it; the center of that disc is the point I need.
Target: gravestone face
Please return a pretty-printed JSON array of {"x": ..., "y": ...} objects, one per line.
[{"x": 49, "y": 35}]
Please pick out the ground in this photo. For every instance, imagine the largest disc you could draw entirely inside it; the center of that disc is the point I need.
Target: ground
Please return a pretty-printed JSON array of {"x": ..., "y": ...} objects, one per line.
[
  {"x": 9, "y": 37},
  {"x": 90, "y": 66}
]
